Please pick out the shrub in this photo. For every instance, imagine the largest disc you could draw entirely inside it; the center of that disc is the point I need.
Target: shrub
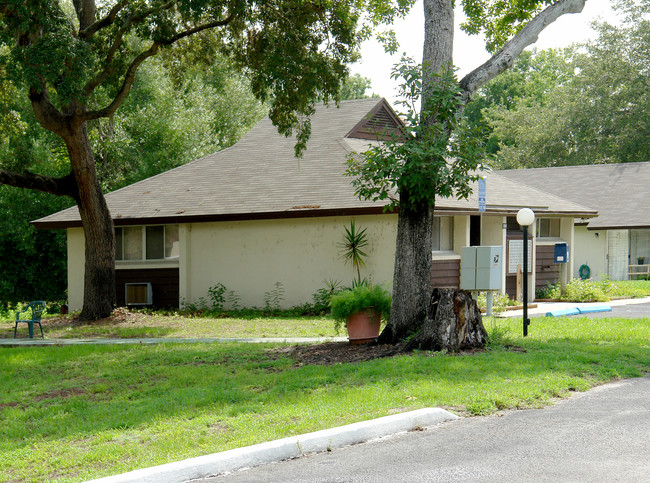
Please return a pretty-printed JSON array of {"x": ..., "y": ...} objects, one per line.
[
  {"x": 323, "y": 297},
  {"x": 273, "y": 298},
  {"x": 499, "y": 302},
  {"x": 217, "y": 296},
  {"x": 578, "y": 291}
]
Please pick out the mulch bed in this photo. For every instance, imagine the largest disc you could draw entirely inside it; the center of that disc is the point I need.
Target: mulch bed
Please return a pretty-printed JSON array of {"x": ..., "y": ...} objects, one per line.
[{"x": 330, "y": 353}]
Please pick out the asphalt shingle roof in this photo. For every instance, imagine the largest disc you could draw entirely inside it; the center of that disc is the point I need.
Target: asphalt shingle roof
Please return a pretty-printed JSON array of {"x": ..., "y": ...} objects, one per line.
[
  {"x": 259, "y": 177},
  {"x": 618, "y": 191}
]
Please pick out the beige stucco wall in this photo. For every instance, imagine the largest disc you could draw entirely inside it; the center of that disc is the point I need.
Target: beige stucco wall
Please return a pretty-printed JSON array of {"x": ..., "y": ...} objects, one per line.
[
  {"x": 493, "y": 231},
  {"x": 461, "y": 233},
  {"x": 591, "y": 250},
  {"x": 249, "y": 257},
  {"x": 76, "y": 256}
]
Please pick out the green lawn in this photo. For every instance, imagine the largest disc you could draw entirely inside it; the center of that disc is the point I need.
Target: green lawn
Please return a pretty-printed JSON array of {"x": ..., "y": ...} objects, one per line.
[
  {"x": 72, "y": 413},
  {"x": 136, "y": 325},
  {"x": 247, "y": 323}
]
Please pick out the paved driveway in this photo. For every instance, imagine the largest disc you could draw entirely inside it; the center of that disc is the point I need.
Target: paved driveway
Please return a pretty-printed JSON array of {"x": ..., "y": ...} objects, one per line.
[{"x": 600, "y": 435}]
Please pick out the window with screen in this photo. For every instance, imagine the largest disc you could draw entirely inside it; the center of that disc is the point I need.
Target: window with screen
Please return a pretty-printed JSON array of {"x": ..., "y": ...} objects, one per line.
[
  {"x": 443, "y": 233},
  {"x": 157, "y": 242},
  {"x": 548, "y": 228}
]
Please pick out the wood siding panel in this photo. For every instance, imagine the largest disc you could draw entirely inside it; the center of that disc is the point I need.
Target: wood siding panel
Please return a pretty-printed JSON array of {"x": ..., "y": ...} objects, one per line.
[
  {"x": 547, "y": 271},
  {"x": 164, "y": 284},
  {"x": 511, "y": 287},
  {"x": 445, "y": 273}
]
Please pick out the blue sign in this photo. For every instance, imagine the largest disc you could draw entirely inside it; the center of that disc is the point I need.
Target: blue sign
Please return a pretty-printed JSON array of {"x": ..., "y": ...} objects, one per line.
[{"x": 481, "y": 194}]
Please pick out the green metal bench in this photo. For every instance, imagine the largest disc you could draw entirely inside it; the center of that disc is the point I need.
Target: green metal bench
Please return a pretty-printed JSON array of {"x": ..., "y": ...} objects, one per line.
[{"x": 37, "y": 307}]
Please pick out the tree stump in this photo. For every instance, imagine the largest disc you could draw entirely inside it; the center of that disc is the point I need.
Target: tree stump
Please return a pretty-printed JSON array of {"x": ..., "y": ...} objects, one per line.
[{"x": 453, "y": 323}]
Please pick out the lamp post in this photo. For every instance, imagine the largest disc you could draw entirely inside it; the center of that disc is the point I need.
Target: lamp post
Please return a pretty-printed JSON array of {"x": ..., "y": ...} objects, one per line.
[{"x": 525, "y": 217}]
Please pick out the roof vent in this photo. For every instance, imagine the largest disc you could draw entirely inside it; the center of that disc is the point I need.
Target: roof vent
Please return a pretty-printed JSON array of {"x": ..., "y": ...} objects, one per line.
[{"x": 380, "y": 123}]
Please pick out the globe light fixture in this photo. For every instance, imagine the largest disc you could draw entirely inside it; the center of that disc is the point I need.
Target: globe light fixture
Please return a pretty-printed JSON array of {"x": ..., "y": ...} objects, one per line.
[{"x": 525, "y": 217}]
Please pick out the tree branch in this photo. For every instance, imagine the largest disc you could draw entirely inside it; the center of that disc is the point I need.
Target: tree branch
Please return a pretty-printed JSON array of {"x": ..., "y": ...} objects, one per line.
[
  {"x": 46, "y": 114},
  {"x": 200, "y": 28},
  {"x": 153, "y": 50},
  {"x": 65, "y": 186},
  {"x": 103, "y": 22},
  {"x": 504, "y": 59},
  {"x": 119, "y": 37},
  {"x": 126, "y": 85}
]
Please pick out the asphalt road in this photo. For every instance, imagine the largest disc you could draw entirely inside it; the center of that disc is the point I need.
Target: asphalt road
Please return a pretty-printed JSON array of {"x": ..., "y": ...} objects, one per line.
[
  {"x": 600, "y": 435},
  {"x": 632, "y": 311}
]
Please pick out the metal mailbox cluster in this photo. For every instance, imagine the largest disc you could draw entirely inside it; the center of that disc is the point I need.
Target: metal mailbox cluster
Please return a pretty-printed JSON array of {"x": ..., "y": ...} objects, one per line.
[{"x": 480, "y": 268}]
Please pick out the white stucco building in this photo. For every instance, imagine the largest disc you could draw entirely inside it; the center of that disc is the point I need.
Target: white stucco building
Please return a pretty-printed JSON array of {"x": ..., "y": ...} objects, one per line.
[{"x": 253, "y": 215}]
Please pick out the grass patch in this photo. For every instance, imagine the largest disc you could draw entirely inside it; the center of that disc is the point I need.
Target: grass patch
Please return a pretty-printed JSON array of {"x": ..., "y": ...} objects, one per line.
[
  {"x": 78, "y": 412},
  {"x": 146, "y": 325}
]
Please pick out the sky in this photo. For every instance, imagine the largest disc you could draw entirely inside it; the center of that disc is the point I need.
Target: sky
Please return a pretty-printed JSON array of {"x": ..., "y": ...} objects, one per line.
[{"x": 469, "y": 51}]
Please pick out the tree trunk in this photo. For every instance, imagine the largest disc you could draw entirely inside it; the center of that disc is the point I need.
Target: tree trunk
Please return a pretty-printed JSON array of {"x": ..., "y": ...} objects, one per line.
[
  {"x": 438, "y": 48},
  {"x": 442, "y": 324},
  {"x": 99, "y": 273},
  {"x": 453, "y": 322},
  {"x": 412, "y": 275}
]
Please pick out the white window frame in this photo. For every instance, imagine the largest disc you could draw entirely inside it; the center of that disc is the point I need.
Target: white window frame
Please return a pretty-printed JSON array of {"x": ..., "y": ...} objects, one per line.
[
  {"x": 438, "y": 243},
  {"x": 143, "y": 238},
  {"x": 538, "y": 228}
]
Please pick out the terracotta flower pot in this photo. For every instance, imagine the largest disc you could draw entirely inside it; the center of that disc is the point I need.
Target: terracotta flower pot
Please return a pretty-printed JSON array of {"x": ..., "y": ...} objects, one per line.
[{"x": 363, "y": 326}]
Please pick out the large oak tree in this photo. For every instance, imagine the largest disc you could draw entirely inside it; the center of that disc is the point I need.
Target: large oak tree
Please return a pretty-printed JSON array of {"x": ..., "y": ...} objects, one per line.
[
  {"x": 432, "y": 162},
  {"x": 79, "y": 63}
]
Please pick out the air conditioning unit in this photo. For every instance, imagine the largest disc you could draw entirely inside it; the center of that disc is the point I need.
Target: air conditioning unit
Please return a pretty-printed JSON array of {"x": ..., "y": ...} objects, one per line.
[{"x": 138, "y": 293}]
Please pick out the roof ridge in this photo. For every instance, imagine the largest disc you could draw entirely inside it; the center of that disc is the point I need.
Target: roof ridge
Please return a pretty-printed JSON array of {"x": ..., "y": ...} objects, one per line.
[{"x": 575, "y": 166}]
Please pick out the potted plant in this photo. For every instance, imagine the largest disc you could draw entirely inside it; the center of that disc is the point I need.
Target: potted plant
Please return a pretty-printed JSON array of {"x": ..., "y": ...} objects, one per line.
[{"x": 361, "y": 309}]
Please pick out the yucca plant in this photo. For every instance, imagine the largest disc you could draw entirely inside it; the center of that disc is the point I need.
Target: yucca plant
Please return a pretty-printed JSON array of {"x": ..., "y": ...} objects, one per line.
[{"x": 352, "y": 249}]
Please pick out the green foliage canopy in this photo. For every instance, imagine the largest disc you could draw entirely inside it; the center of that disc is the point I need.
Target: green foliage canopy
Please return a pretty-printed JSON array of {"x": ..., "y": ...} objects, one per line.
[
  {"x": 576, "y": 106},
  {"x": 292, "y": 51},
  {"x": 499, "y": 20},
  {"x": 530, "y": 80}
]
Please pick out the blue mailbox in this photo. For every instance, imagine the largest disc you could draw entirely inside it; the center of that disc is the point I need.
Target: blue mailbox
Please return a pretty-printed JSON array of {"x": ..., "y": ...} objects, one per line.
[{"x": 561, "y": 252}]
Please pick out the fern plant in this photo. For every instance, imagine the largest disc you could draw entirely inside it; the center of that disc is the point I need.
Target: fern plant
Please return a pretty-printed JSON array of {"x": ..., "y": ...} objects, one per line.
[{"x": 359, "y": 298}]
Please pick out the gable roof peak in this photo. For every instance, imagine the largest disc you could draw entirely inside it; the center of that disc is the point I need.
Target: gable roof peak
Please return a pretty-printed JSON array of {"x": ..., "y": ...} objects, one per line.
[{"x": 379, "y": 124}]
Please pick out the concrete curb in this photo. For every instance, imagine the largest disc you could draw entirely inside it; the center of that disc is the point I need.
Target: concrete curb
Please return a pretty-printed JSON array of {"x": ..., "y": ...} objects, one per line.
[
  {"x": 596, "y": 308},
  {"x": 579, "y": 310},
  {"x": 282, "y": 449}
]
